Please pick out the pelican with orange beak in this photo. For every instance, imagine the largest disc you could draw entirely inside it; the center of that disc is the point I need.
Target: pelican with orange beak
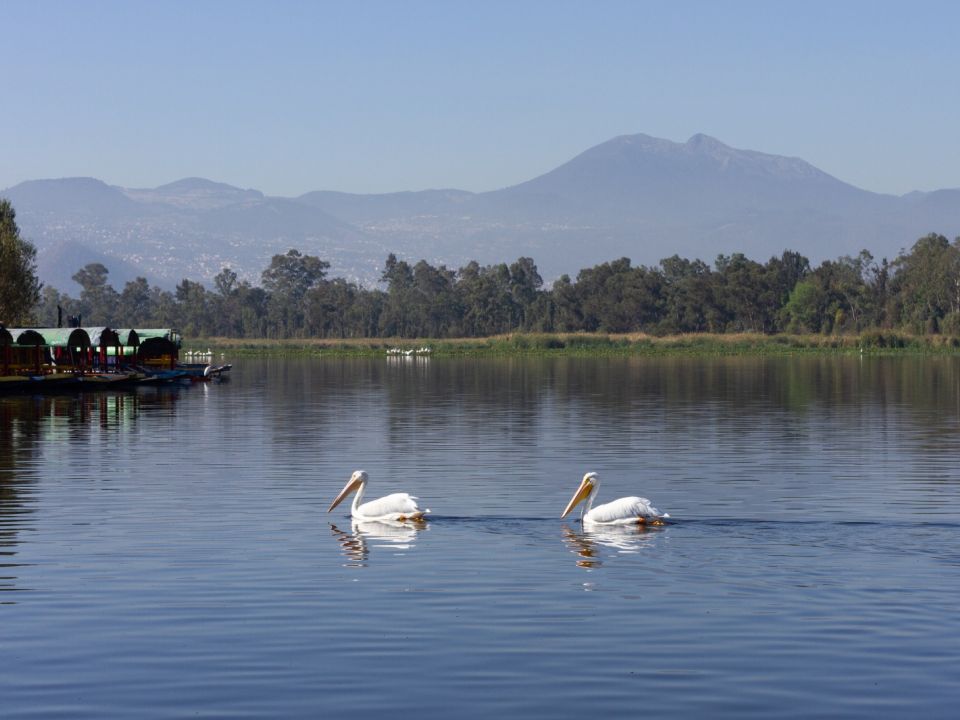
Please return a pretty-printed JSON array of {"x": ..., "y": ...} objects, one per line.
[
  {"x": 398, "y": 506},
  {"x": 624, "y": 511}
]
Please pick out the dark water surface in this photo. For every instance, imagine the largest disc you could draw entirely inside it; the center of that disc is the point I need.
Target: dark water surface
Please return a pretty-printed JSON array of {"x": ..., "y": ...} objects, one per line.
[{"x": 167, "y": 553}]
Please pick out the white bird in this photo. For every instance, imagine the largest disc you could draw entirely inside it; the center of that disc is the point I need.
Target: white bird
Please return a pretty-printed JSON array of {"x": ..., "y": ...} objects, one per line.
[
  {"x": 624, "y": 511},
  {"x": 398, "y": 506}
]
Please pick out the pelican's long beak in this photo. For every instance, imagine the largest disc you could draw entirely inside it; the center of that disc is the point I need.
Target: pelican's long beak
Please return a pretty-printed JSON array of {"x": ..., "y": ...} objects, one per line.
[
  {"x": 582, "y": 493},
  {"x": 352, "y": 484}
]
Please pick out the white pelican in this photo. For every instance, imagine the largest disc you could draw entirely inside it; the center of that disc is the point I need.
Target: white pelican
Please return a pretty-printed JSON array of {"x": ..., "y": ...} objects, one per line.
[
  {"x": 624, "y": 511},
  {"x": 398, "y": 506}
]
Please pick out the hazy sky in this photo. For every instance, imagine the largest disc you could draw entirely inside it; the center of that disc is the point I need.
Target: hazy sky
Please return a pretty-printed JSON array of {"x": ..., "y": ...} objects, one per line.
[{"x": 289, "y": 97}]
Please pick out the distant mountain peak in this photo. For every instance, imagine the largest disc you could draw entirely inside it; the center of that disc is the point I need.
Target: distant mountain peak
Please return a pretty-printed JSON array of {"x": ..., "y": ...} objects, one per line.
[
  {"x": 188, "y": 184},
  {"x": 640, "y": 175},
  {"x": 77, "y": 182},
  {"x": 641, "y": 141},
  {"x": 638, "y": 141},
  {"x": 71, "y": 195},
  {"x": 195, "y": 193},
  {"x": 706, "y": 142}
]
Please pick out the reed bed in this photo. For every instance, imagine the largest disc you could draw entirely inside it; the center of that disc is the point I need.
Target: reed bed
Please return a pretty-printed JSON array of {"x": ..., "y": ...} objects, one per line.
[{"x": 873, "y": 342}]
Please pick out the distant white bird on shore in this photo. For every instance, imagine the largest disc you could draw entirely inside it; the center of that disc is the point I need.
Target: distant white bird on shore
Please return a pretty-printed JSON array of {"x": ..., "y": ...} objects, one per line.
[
  {"x": 398, "y": 506},
  {"x": 624, "y": 511}
]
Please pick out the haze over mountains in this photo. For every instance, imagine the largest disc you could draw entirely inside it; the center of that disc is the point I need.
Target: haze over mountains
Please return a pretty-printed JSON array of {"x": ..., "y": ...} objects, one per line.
[{"x": 634, "y": 196}]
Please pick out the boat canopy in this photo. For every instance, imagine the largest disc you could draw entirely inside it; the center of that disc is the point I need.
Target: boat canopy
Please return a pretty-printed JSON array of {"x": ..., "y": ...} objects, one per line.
[
  {"x": 51, "y": 337},
  {"x": 103, "y": 337},
  {"x": 128, "y": 337},
  {"x": 163, "y": 333},
  {"x": 27, "y": 336},
  {"x": 67, "y": 337}
]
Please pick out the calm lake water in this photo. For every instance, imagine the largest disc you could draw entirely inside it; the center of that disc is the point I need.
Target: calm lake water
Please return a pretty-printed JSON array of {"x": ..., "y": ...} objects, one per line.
[{"x": 167, "y": 553}]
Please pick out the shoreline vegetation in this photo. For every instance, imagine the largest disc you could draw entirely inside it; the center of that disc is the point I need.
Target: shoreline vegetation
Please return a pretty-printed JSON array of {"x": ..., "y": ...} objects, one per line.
[
  {"x": 590, "y": 345},
  {"x": 917, "y": 295},
  {"x": 854, "y": 304}
]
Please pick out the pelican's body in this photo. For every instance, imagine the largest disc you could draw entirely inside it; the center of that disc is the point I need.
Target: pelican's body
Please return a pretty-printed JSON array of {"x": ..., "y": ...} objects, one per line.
[
  {"x": 624, "y": 511},
  {"x": 395, "y": 507}
]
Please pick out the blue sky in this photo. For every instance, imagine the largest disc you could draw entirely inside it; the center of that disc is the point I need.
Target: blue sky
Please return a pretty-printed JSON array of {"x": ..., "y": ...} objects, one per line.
[{"x": 289, "y": 97}]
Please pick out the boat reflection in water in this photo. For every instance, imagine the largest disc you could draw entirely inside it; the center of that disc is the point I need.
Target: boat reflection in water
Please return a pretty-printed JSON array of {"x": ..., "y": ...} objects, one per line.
[
  {"x": 592, "y": 545},
  {"x": 366, "y": 534}
]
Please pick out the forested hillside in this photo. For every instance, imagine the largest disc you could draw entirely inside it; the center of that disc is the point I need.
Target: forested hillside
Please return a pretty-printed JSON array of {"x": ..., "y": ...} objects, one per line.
[{"x": 919, "y": 291}]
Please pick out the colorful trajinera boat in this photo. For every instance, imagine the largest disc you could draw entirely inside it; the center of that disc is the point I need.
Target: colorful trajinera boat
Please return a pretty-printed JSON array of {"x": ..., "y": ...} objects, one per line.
[{"x": 80, "y": 359}]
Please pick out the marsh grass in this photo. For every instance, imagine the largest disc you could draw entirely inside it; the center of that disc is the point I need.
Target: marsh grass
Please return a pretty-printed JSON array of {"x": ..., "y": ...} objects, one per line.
[{"x": 595, "y": 344}]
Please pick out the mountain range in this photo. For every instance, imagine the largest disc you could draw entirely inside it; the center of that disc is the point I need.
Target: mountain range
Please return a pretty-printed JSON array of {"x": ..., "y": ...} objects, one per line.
[{"x": 635, "y": 195}]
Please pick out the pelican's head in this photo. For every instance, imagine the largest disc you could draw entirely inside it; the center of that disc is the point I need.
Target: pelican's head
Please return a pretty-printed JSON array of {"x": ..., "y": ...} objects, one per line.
[
  {"x": 356, "y": 481},
  {"x": 587, "y": 486}
]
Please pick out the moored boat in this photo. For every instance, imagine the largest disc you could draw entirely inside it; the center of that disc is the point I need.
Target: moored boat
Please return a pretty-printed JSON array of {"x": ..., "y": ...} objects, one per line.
[{"x": 41, "y": 360}]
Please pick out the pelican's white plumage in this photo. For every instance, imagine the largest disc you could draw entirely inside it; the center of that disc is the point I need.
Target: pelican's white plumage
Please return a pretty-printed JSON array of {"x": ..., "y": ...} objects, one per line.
[
  {"x": 386, "y": 508},
  {"x": 396, "y": 507},
  {"x": 623, "y": 511}
]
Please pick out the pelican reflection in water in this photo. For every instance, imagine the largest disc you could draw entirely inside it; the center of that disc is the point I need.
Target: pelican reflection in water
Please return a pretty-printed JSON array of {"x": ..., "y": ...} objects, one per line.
[
  {"x": 367, "y": 534},
  {"x": 594, "y": 541}
]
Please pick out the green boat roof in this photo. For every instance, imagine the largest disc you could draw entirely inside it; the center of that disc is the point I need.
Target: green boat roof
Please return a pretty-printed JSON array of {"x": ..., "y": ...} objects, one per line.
[
  {"x": 128, "y": 336},
  {"x": 99, "y": 335},
  {"x": 164, "y": 333},
  {"x": 54, "y": 337},
  {"x": 85, "y": 337}
]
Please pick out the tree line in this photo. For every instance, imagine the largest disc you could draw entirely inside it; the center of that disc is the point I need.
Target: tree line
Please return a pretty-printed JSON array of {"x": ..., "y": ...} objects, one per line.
[{"x": 919, "y": 291}]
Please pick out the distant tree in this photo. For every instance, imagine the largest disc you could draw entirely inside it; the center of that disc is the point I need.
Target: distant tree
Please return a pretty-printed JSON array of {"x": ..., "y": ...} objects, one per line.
[
  {"x": 136, "y": 304},
  {"x": 743, "y": 292},
  {"x": 98, "y": 300},
  {"x": 566, "y": 309},
  {"x": 225, "y": 282},
  {"x": 364, "y": 315},
  {"x": 525, "y": 284},
  {"x": 396, "y": 318},
  {"x": 436, "y": 305},
  {"x": 600, "y": 290},
  {"x": 19, "y": 285},
  {"x": 253, "y": 303},
  {"x": 470, "y": 292},
  {"x": 855, "y": 299},
  {"x": 689, "y": 296},
  {"x": 328, "y": 309},
  {"x": 54, "y": 307},
  {"x": 287, "y": 280},
  {"x": 193, "y": 308},
  {"x": 166, "y": 312},
  {"x": 488, "y": 307},
  {"x": 926, "y": 283},
  {"x": 805, "y": 309},
  {"x": 839, "y": 295},
  {"x": 781, "y": 275},
  {"x": 225, "y": 305},
  {"x": 879, "y": 284}
]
